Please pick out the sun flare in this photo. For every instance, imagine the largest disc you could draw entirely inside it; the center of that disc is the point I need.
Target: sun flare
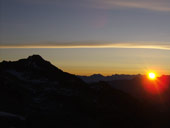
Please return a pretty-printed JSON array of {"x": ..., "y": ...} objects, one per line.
[{"x": 152, "y": 75}]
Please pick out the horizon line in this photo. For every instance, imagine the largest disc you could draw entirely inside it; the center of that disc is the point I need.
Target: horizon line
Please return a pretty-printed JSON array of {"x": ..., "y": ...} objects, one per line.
[{"x": 138, "y": 74}]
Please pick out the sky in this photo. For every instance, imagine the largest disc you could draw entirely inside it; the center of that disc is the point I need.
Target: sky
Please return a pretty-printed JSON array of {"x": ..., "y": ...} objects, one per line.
[{"x": 89, "y": 36}]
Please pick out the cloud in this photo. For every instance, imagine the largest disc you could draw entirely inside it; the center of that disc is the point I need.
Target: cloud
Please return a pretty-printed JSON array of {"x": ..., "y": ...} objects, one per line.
[
  {"x": 154, "y": 5},
  {"x": 145, "y": 45}
]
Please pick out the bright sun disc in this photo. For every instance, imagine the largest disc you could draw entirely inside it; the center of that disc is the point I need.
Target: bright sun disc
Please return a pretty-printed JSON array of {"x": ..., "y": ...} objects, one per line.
[{"x": 152, "y": 76}]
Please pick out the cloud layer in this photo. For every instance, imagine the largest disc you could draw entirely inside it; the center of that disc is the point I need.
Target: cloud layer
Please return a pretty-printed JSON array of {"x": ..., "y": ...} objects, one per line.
[{"x": 146, "y": 45}]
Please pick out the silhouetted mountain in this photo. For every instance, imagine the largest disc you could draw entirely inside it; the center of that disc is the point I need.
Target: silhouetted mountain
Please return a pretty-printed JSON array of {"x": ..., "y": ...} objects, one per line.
[
  {"x": 34, "y": 93},
  {"x": 36, "y": 68},
  {"x": 98, "y": 77}
]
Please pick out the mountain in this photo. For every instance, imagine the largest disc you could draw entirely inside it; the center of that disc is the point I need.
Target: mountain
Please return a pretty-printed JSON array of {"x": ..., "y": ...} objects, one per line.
[
  {"x": 36, "y": 68},
  {"x": 98, "y": 77},
  {"x": 34, "y": 93}
]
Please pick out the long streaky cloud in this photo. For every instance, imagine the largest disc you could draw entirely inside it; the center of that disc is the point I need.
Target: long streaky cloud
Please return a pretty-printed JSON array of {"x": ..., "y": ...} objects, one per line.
[{"x": 161, "y": 46}]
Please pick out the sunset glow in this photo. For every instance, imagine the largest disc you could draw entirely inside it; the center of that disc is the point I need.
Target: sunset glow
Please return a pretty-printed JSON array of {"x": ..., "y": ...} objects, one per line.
[
  {"x": 85, "y": 63},
  {"x": 89, "y": 37},
  {"x": 152, "y": 75}
]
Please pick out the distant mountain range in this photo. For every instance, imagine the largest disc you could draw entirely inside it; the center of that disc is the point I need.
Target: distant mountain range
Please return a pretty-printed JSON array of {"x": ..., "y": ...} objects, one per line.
[
  {"x": 34, "y": 94},
  {"x": 99, "y": 77}
]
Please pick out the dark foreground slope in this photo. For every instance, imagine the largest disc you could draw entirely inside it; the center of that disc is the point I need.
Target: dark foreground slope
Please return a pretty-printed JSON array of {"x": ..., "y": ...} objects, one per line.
[{"x": 35, "y": 94}]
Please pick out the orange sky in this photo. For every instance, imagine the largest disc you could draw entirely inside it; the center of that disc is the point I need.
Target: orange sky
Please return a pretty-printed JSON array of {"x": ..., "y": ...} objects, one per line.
[{"x": 106, "y": 61}]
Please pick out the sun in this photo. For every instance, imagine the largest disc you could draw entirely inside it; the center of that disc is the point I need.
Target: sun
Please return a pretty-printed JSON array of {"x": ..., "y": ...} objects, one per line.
[{"x": 152, "y": 75}]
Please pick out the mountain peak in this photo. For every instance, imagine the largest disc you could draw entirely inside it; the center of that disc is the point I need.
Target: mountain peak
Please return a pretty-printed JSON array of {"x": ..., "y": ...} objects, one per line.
[
  {"x": 36, "y": 61},
  {"x": 32, "y": 62},
  {"x": 35, "y": 58}
]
